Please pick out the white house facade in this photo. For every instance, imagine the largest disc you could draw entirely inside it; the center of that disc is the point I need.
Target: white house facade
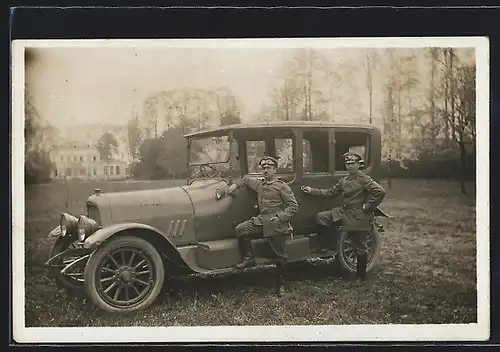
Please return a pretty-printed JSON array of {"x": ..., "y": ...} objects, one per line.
[{"x": 79, "y": 160}]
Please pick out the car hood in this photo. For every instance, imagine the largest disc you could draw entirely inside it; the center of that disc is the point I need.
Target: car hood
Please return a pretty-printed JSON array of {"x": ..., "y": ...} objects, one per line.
[
  {"x": 185, "y": 214},
  {"x": 142, "y": 205}
]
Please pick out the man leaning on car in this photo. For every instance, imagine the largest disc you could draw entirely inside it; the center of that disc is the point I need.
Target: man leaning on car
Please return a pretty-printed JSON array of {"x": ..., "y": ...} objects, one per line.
[
  {"x": 361, "y": 196},
  {"x": 277, "y": 205}
]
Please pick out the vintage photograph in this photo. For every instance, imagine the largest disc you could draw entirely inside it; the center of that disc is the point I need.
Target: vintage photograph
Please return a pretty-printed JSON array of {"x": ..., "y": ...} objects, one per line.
[{"x": 256, "y": 190}]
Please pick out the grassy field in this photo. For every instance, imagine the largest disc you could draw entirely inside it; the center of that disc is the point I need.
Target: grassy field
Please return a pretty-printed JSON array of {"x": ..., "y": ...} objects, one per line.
[{"x": 427, "y": 272}]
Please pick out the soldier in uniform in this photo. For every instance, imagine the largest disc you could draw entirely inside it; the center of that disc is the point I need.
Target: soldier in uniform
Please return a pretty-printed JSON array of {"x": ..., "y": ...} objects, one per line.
[
  {"x": 277, "y": 205},
  {"x": 361, "y": 196}
]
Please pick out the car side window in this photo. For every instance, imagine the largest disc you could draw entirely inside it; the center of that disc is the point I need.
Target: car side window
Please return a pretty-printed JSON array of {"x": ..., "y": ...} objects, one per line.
[
  {"x": 284, "y": 151},
  {"x": 255, "y": 151},
  {"x": 350, "y": 141},
  {"x": 280, "y": 148},
  {"x": 315, "y": 152}
]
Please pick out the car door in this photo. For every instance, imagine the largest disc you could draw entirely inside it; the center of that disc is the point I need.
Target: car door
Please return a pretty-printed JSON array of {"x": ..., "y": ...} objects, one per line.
[
  {"x": 315, "y": 168},
  {"x": 279, "y": 143}
]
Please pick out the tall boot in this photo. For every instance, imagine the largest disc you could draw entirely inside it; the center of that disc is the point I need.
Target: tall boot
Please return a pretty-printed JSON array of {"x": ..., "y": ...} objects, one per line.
[
  {"x": 361, "y": 267},
  {"x": 279, "y": 278},
  {"x": 246, "y": 250},
  {"x": 335, "y": 236},
  {"x": 322, "y": 238}
]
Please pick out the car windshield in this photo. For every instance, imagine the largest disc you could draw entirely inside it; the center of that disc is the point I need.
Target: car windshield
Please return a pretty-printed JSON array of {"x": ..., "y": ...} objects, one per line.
[{"x": 209, "y": 156}]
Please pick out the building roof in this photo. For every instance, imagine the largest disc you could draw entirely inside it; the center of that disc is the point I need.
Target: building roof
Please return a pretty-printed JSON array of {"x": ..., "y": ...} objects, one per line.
[
  {"x": 278, "y": 124},
  {"x": 74, "y": 145}
]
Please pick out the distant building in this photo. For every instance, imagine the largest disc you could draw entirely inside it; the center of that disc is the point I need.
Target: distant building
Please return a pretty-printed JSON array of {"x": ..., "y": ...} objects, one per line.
[{"x": 78, "y": 160}]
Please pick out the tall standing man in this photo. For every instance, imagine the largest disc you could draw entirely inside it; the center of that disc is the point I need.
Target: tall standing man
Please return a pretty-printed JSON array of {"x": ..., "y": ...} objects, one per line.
[
  {"x": 277, "y": 206},
  {"x": 361, "y": 196}
]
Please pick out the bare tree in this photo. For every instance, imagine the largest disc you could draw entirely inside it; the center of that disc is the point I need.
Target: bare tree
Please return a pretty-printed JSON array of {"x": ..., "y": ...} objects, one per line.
[
  {"x": 334, "y": 83},
  {"x": 448, "y": 69},
  {"x": 370, "y": 63},
  {"x": 410, "y": 85},
  {"x": 397, "y": 114},
  {"x": 312, "y": 81},
  {"x": 389, "y": 119},
  {"x": 433, "y": 54},
  {"x": 286, "y": 97},
  {"x": 305, "y": 72},
  {"x": 39, "y": 134},
  {"x": 151, "y": 115},
  {"x": 463, "y": 118},
  {"x": 134, "y": 136},
  {"x": 228, "y": 106}
]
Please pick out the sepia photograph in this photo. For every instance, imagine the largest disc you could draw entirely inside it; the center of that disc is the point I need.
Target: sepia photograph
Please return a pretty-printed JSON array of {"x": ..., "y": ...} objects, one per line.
[{"x": 221, "y": 190}]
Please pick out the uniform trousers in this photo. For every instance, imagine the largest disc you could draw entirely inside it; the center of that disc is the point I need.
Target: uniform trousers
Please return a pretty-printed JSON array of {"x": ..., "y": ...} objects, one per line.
[
  {"x": 358, "y": 239},
  {"x": 248, "y": 230}
]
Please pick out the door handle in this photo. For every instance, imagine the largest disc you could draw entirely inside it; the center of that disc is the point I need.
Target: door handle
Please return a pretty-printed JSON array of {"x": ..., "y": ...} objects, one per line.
[{"x": 293, "y": 180}]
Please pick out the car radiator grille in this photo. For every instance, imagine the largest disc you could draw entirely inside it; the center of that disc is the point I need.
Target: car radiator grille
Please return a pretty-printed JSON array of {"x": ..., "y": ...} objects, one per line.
[{"x": 93, "y": 213}]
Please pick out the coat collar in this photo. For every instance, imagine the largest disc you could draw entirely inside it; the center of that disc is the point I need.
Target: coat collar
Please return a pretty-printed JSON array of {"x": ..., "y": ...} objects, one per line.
[{"x": 269, "y": 182}]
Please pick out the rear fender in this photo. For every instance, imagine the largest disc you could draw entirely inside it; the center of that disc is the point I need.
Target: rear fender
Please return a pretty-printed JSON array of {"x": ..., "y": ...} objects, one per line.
[
  {"x": 380, "y": 212},
  {"x": 161, "y": 242}
]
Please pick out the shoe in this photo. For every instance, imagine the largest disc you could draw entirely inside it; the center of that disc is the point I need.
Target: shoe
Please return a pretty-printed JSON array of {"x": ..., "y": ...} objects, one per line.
[
  {"x": 246, "y": 263},
  {"x": 280, "y": 291},
  {"x": 246, "y": 251},
  {"x": 358, "y": 283}
]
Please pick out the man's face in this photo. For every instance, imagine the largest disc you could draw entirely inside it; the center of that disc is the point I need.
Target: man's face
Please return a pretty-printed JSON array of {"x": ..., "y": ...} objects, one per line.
[
  {"x": 352, "y": 167},
  {"x": 268, "y": 171}
]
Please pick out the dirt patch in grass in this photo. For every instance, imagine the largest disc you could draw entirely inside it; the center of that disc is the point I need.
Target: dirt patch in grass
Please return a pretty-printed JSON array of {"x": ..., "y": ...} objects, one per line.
[{"x": 427, "y": 273}]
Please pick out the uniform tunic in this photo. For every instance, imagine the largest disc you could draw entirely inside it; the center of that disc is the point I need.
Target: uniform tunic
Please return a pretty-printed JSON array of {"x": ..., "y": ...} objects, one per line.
[
  {"x": 275, "y": 199},
  {"x": 356, "y": 190}
]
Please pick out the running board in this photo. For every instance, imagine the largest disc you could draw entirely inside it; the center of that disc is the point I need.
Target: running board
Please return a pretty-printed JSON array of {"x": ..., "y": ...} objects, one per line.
[
  {"x": 260, "y": 262},
  {"x": 213, "y": 257}
]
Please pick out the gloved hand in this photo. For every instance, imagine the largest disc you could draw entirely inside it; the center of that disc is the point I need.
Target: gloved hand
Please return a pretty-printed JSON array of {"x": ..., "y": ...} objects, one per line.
[
  {"x": 306, "y": 189},
  {"x": 229, "y": 191}
]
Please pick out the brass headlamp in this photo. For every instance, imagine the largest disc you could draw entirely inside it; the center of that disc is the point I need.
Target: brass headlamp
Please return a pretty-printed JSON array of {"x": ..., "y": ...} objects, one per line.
[
  {"x": 67, "y": 222},
  {"x": 85, "y": 226}
]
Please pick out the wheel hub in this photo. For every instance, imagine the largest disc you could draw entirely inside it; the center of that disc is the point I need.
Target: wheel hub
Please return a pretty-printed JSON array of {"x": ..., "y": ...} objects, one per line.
[{"x": 125, "y": 274}]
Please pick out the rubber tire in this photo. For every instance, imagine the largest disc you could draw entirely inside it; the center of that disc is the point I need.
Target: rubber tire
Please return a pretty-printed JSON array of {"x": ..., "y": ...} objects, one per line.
[
  {"x": 62, "y": 281},
  {"x": 347, "y": 270},
  {"x": 100, "y": 253}
]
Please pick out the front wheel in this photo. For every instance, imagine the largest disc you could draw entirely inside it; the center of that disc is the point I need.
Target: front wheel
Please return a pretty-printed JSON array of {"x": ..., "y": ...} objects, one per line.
[
  {"x": 73, "y": 282},
  {"x": 125, "y": 275},
  {"x": 346, "y": 255}
]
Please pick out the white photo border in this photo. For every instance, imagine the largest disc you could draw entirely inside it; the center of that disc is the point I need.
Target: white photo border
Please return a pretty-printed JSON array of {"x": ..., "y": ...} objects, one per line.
[{"x": 362, "y": 333}]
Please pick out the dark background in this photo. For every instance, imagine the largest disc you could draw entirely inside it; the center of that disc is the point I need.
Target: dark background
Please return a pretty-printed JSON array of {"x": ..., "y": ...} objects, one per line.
[{"x": 84, "y": 23}]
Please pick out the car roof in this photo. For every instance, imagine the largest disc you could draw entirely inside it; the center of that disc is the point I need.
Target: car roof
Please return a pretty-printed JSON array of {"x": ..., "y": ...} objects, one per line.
[{"x": 277, "y": 125}]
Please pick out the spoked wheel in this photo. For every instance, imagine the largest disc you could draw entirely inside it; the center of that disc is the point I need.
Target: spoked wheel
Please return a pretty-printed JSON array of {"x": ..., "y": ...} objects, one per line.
[
  {"x": 72, "y": 282},
  {"x": 346, "y": 257},
  {"x": 124, "y": 275}
]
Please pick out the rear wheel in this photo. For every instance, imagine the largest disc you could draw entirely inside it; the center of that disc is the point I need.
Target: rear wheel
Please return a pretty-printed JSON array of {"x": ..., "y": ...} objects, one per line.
[
  {"x": 125, "y": 275},
  {"x": 346, "y": 255}
]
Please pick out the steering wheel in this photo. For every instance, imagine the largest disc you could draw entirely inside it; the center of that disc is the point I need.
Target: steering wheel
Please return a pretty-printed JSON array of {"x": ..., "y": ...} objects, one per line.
[{"x": 206, "y": 173}]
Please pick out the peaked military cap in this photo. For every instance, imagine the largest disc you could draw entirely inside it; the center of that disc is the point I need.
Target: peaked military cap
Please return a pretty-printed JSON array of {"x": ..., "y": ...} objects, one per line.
[
  {"x": 351, "y": 157},
  {"x": 268, "y": 160}
]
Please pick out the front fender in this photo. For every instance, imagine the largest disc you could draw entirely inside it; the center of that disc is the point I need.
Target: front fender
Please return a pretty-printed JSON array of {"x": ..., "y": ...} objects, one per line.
[
  {"x": 104, "y": 233},
  {"x": 150, "y": 233}
]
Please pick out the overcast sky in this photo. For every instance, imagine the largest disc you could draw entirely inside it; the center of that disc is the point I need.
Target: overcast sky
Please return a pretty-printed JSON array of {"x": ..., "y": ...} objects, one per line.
[
  {"x": 71, "y": 85},
  {"x": 88, "y": 85}
]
